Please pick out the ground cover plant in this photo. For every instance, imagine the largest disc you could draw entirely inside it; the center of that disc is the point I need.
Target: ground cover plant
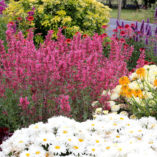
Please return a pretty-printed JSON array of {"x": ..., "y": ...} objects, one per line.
[{"x": 111, "y": 135}]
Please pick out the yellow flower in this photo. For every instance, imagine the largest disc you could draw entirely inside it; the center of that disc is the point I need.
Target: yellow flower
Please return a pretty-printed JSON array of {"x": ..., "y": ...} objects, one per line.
[
  {"x": 124, "y": 80},
  {"x": 40, "y": 9},
  {"x": 140, "y": 72},
  {"x": 61, "y": 12}
]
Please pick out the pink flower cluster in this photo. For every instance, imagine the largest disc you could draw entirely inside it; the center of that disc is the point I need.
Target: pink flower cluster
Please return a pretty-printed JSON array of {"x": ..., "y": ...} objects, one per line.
[{"x": 58, "y": 72}]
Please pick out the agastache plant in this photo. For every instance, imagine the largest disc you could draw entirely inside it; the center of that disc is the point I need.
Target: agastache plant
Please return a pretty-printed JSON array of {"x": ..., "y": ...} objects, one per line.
[{"x": 59, "y": 77}]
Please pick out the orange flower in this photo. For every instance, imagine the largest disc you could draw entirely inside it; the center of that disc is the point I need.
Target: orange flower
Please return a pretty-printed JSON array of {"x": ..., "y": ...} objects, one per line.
[
  {"x": 129, "y": 93},
  {"x": 140, "y": 72},
  {"x": 124, "y": 90},
  {"x": 124, "y": 80},
  {"x": 138, "y": 93},
  {"x": 155, "y": 83}
]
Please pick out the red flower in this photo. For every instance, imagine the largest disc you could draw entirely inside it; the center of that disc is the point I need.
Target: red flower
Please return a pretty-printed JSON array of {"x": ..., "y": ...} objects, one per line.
[
  {"x": 11, "y": 22},
  {"x": 30, "y": 18},
  {"x": 122, "y": 33},
  {"x": 85, "y": 35},
  {"x": 64, "y": 27},
  {"x": 126, "y": 46},
  {"x": 142, "y": 49},
  {"x": 115, "y": 30},
  {"x": 122, "y": 40},
  {"x": 68, "y": 41},
  {"x": 104, "y": 26},
  {"x": 104, "y": 35},
  {"x": 19, "y": 18},
  {"x": 138, "y": 32},
  {"x": 133, "y": 25},
  {"x": 76, "y": 33},
  {"x": 119, "y": 27},
  {"x": 148, "y": 63},
  {"x": 126, "y": 26}
]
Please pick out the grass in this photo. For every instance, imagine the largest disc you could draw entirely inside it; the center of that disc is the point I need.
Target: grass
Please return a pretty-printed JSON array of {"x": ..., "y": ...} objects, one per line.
[{"x": 134, "y": 15}]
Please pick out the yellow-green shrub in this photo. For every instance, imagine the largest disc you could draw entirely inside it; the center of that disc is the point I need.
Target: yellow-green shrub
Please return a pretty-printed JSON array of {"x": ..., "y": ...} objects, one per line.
[{"x": 85, "y": 16}]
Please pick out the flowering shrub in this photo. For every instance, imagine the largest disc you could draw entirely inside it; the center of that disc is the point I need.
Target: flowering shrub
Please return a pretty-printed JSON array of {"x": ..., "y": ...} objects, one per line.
[
  {"x": 111, "y": 135},
  {"x": 61, "y": 77},
  {"x": 85, "y": 16}
]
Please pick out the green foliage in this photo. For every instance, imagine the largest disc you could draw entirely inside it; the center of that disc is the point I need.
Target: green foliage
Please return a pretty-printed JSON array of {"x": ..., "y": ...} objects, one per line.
[{"x": 85, "y": 16}]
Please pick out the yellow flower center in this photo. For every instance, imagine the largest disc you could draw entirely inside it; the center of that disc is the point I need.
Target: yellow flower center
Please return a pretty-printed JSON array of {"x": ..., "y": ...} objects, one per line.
[
  {"x": 69, "y": 139},
  {"x": 108, "y": 147},
  {"x": 131, "y": 131},
  {"x": 97, "y": 141},
  {"x": 117, "y": 136},
  {"x": 44, "y": 139},
  {"x": 47, "y": 154},
  {"x": 76, "y": 147},
  {"x": 65, "y": 132},
  {"x": 57, "y": 147},
  {"x": 20, "y": 141},
  {"x": 120, "y": 149},
  {"x": 139, "y": 138},
  {"x": 81, "y": 140},
  {"x": 114, "y": 124},
  {"x": 93, "y": 124},
  {"x": 38, "y": 152},
  {"x": 27, "y": 154},
  {"x": 121, "y": 118},
  {"x": 93, "y": 149}
]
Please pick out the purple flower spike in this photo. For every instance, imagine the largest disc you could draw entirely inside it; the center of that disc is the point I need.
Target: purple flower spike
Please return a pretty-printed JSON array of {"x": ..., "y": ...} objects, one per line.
[
  {"x": 122, "y": 24},
  {"x": 136, "y": 26},
  {"x": 142, "y": 26},
  {"x": 117, "y": 22},
  {"x": 156, "y": 31},
  {"x": 148, "y": 20}
]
